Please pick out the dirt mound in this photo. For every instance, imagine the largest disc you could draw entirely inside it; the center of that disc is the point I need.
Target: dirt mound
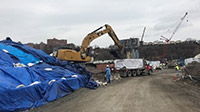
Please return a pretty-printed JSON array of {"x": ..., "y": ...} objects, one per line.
[
  {"x": 103, "y": 54},
  {"x": 96, "y": 73},
  {"x": 108, "y": 54}
]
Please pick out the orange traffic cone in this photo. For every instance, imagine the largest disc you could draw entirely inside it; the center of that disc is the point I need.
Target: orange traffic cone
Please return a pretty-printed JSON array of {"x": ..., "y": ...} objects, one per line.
[{"x": 175, "y": 78}]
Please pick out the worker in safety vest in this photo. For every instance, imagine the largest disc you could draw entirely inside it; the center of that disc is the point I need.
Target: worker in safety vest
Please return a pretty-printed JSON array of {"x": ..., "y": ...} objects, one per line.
[
  {"x": 177, "y": 70},
  {"x": 108, "y": 74}
]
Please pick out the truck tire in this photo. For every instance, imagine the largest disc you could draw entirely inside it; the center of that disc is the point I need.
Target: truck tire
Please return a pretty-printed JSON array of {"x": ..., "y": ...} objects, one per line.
[
  {"x": 137, "y": 72},
  {"x": 134, "y": 73},
  {"x": 129, "y": 74}
]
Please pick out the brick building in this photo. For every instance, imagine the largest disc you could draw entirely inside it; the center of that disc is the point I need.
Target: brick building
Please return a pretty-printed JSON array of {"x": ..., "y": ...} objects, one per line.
[
  {"x": 42, "y": 46},
  {"x": 51, "y": 44},
  {"x": 54, "y": 43}
]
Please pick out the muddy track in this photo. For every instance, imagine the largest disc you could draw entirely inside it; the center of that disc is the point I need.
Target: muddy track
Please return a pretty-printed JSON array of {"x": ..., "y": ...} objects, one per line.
[{"x": 154, "y": 93}]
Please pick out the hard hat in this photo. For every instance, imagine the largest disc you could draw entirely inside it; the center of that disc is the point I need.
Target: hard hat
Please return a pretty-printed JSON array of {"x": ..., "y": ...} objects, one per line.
[{"x": 107, "y": 65}]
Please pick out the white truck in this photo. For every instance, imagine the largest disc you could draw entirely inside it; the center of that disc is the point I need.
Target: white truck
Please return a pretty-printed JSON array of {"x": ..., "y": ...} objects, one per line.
[{"x": 132, "y": 67}]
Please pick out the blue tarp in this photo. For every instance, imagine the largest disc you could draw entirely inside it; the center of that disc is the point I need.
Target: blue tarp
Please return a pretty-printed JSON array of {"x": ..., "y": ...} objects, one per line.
[
  {"x": 24, "y": 87},
  {"x": 22, "y": 56},
  {"x": 5, "y": 59}
]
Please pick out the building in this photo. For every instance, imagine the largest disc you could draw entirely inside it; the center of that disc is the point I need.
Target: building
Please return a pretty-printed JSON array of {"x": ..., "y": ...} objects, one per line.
[
  {"x": 130, "y": 43},
  {"x": 71, "y": 46},
  {"x": 51, "y": 44},
  {"x": 55, "y": 43},
  {"x": 178, "y": 41},
  {"x": 145, "y": 43},
  {"x": 172, "y": 42},
  {"x": 158, "y": 42},
  {"x": 31, "y": 44},
  {"x": 131, "y": 47}
]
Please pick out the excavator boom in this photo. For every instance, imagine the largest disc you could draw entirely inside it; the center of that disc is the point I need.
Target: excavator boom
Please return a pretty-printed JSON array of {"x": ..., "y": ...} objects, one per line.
[{"x": 97, "y": 33}]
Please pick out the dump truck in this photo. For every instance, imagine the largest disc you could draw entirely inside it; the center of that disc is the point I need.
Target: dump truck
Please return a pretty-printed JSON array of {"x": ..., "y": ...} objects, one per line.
[{"x": 132, "y": 67}]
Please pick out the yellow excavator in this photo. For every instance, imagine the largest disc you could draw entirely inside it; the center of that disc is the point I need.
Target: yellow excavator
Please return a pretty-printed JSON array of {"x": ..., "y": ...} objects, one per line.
[{"x": 81, "y": 56}]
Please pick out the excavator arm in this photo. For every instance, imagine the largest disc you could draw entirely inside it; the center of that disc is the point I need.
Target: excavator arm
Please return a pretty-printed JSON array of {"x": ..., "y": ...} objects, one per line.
[{"x": 97, "y": 33}]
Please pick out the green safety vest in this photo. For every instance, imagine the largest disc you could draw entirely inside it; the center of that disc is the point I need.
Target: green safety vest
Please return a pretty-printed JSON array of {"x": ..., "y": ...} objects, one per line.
[{"x": 177, "y": 67}]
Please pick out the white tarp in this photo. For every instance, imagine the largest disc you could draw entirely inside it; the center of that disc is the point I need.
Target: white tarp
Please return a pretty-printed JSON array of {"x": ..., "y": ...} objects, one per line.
[
  {"x": 154, "y": 64},
  {"x": 129, "y": 63},
  {"x": 190, "y": 60}
]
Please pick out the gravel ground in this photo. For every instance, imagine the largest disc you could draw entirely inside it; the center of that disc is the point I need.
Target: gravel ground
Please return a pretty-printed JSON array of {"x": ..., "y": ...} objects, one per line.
[{"x": 155, "y": 93}]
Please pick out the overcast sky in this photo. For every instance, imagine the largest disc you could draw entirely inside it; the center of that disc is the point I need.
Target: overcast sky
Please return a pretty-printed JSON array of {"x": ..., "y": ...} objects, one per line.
[{"x": 38, "y": 20}]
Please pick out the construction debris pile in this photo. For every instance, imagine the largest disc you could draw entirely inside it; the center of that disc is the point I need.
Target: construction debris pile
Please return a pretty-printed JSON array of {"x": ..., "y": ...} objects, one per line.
[
  {"x": 107, "y": 54},
  {"x": 100, "y": 75},
  {"x": 193, "y": 70},
  {"x": 30, "y": 77},
  {"x": 97, "y": 73},
  {"x": 103, "y": 54}
]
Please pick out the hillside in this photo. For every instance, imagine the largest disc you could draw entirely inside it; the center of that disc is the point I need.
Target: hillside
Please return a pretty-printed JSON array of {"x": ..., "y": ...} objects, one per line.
[
  {"x": 154, "y": 52},
  {"x": 174, "y": 51}
]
